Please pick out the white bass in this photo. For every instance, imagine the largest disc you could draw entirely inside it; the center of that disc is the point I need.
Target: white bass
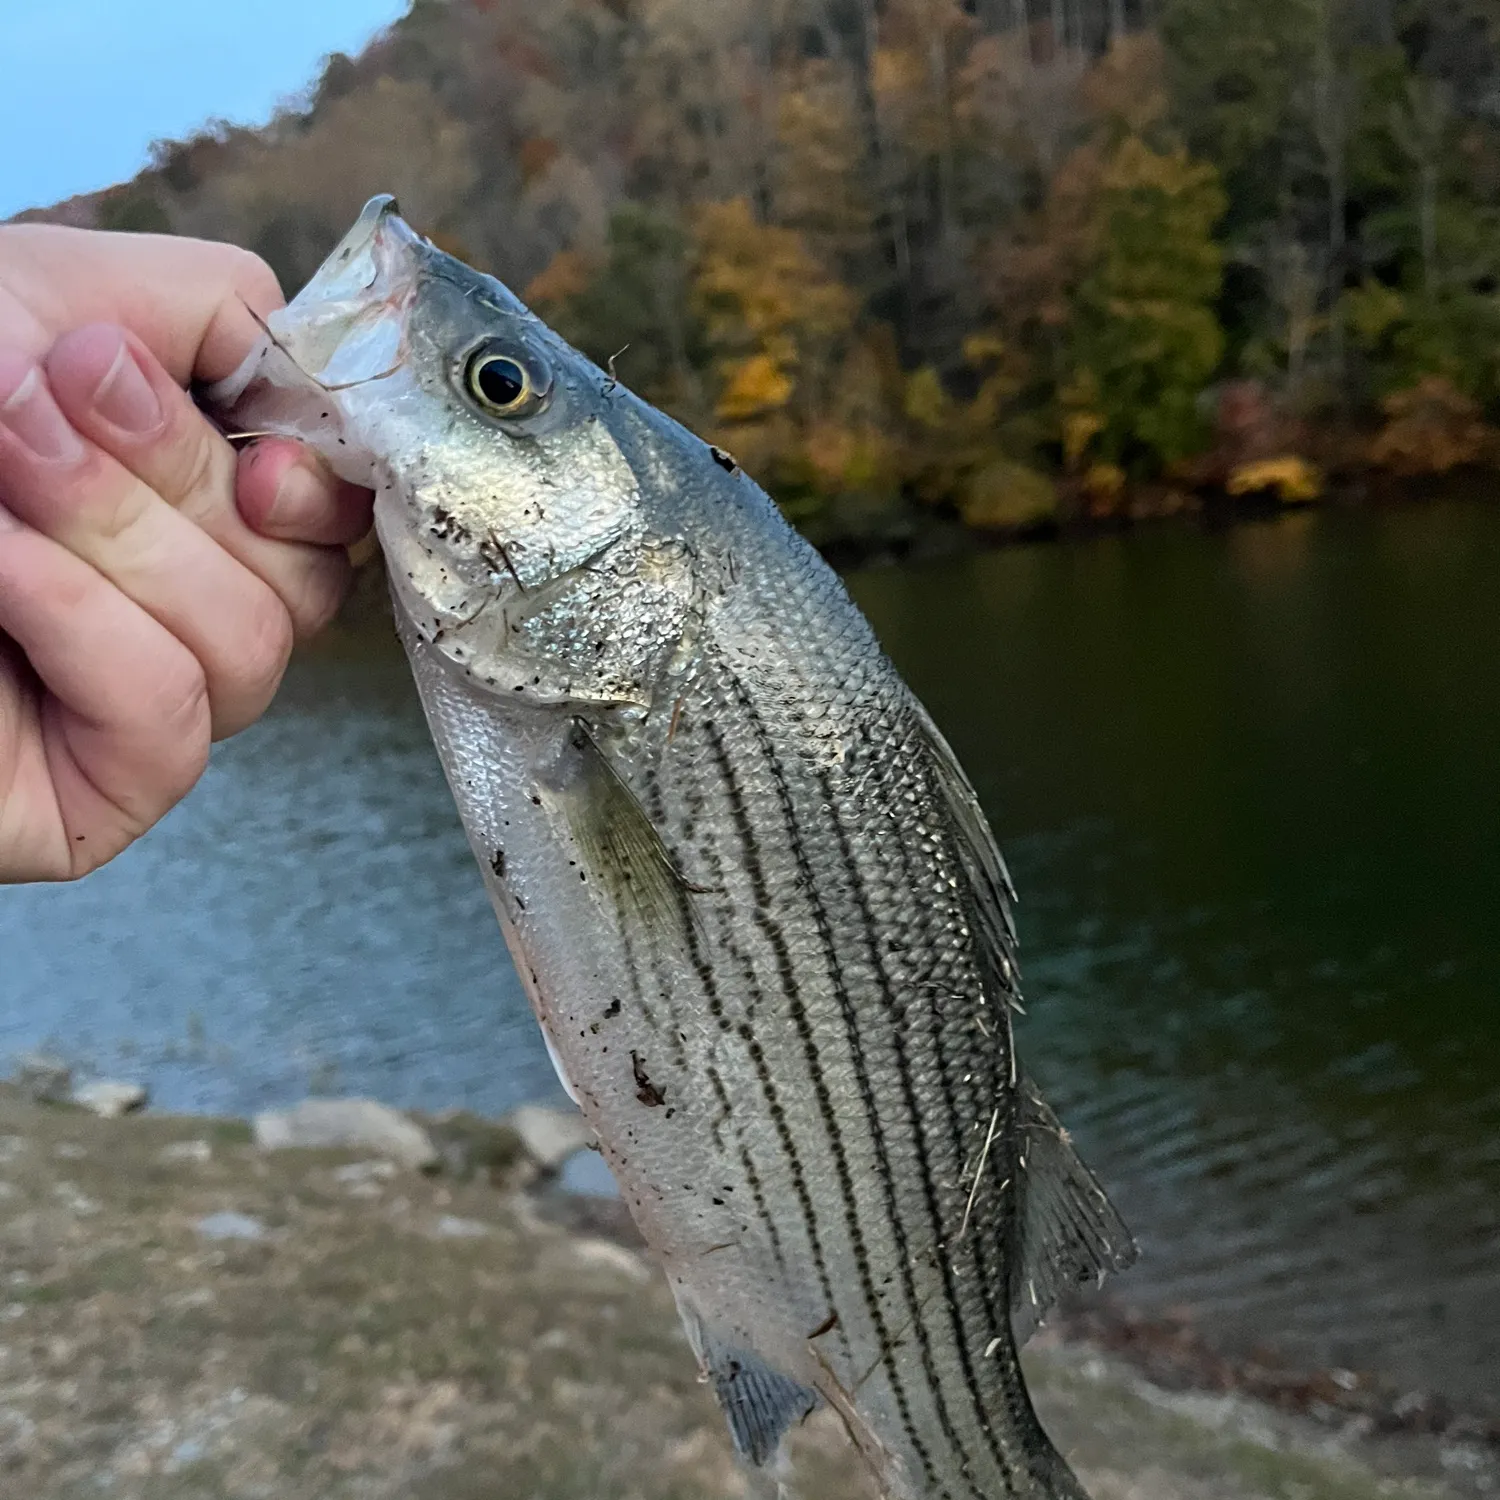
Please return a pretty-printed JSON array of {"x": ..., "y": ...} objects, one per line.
[{"x": 752, "y": 897}]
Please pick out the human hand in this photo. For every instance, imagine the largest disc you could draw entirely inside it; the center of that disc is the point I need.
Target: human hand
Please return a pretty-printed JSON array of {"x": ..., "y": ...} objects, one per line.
[{"x": 152, "y": 582}]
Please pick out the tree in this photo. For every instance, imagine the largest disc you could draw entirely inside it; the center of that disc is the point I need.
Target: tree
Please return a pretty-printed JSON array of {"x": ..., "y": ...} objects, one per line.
[
  {"x": 632, "y": 303},
  {"x": 1145, "y": 339}
]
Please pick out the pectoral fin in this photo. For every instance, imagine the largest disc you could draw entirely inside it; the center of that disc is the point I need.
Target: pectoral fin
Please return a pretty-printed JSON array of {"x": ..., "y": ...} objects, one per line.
[{"x": 618, "y": 846}]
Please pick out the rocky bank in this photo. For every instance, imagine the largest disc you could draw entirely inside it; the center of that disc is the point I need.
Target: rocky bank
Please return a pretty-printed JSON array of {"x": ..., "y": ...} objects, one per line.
[{"x": 187, "y": 1316}]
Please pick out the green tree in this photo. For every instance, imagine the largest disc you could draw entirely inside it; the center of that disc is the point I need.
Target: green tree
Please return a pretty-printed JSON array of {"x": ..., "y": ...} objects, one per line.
[{"x": 1145, "y": 338}]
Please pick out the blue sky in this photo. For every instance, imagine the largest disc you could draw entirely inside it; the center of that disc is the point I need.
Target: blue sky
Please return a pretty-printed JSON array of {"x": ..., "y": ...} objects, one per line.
[{"x": 87, "y": 85}]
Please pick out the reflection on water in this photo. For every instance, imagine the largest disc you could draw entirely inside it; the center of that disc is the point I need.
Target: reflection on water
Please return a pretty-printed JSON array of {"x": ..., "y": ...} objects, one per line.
[{"x": 1245, "y": 784}]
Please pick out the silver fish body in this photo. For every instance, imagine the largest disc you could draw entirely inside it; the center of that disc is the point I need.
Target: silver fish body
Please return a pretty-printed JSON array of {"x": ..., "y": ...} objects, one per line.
[{"x": 751, "y": 896}]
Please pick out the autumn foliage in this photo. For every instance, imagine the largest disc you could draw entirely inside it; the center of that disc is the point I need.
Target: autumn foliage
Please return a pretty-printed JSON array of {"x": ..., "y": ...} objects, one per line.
[{"x": 1008, "y": 261}]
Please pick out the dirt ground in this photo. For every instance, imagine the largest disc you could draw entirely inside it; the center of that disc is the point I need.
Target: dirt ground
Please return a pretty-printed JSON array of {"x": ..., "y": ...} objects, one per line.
[{"x": 183, "y": 1317}]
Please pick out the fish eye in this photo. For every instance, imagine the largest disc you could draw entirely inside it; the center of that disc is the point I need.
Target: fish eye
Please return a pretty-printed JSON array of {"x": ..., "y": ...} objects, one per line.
[{"x": 504, "y": 381}]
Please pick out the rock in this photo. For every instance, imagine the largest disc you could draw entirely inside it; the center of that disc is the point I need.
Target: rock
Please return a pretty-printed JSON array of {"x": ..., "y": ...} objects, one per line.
[
  {"x": 359, "y": 1172},
  {"x": 472, "y": 1146},
  {"x": 75, "y": 1202},
  {"x": 199, "y": 1152},
  {"x": 358, "y": 1123},
  {"x": 228, "y": 1225},
  {"x": 110, "y": 1100},
  {"x": 449, "y": 1227},
  {"x": 604, "y": 1255},
  {"x": 365, "y": 1179},
  {"x": 45, "y": 1078},
  {"x": 550, "y": 1136}
]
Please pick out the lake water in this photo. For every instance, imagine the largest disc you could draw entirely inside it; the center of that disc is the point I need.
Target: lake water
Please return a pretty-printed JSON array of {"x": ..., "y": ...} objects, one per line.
[{"x": 1246, "y": 782}]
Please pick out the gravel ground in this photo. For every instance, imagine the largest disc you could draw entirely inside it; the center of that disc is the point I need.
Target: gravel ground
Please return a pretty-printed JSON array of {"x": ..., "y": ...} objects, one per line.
[{"x": 185, "y": 1318}]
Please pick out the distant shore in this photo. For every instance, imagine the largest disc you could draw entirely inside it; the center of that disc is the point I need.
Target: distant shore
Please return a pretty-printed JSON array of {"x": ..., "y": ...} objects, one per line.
[{"x": 185, "y": 1315}]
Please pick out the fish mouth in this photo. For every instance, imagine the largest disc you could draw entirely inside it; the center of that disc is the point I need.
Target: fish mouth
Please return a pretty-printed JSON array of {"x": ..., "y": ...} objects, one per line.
[
  {"x": 345, "y": 328},
  {"x": 348, "y": 324}
]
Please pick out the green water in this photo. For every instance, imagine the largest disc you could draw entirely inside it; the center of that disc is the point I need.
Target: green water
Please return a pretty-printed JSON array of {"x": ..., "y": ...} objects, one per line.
[{"x": 1245, "y": 782}]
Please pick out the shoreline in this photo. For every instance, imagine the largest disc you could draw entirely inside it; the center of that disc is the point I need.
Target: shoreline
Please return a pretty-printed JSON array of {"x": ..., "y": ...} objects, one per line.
[
  {"x": 197, "y": 1317},
  {"x": 930, "y": 534}
]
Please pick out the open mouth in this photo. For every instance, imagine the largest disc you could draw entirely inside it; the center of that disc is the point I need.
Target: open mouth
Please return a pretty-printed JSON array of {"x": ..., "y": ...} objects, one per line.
[
  {"x": 348, "y": 324},
  {"x": 346, "y": 328}
]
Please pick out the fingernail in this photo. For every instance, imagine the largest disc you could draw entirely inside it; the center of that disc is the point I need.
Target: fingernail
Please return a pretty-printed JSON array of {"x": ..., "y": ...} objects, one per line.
[
  {"x": 34, "y": 419},
  {"x": 7, "y": 521},
  {"x": 125, "y": 398},
  {"x": 299, "y": 494}
]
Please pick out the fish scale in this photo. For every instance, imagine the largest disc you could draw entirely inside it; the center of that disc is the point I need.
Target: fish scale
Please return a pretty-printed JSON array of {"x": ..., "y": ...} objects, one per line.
[{"x": 750, "y": 895}]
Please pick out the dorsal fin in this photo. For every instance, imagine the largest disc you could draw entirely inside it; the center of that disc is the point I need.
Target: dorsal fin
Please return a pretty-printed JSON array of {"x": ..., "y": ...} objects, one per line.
[
  {"x": 1070, "y": 1233},
  {"x": 983, "y": 861}
]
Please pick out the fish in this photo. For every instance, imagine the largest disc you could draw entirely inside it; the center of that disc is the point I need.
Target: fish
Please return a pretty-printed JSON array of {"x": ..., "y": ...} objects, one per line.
[{"x": 751, "y": 895}]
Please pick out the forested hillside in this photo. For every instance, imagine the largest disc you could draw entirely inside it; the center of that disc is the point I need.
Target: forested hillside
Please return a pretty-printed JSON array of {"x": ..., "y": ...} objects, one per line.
[{"x": 1018, "y": 260}]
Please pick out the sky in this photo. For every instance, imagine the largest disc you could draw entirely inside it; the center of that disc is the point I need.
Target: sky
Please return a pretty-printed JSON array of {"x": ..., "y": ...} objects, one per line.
[{"x": 89, "y": 84}]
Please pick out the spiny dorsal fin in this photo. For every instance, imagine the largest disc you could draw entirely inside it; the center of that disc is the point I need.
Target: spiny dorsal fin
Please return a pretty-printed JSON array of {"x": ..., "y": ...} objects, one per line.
[
  {"x": 760, "y": 1404},
  {"x": 618, "y": 845},
  {"x": 1070, "y": 1232}
]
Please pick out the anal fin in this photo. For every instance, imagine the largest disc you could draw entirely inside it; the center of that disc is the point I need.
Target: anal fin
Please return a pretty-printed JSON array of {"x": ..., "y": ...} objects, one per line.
[
  {"x": 760, "y": 1404},
  {"x": 1070, "y": 1231}
]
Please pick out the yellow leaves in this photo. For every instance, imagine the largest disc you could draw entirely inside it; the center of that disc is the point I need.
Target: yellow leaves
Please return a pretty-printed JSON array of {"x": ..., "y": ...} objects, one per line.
[
  {"x": 757, "y": 283},
  {"x": 1293, "y": 480},
  {"x": 754, "y": 388},
  {"x": 1080, "y": 428},
  {"x": 900, "y": 82},
  {"x": 1432, "y": 428},
  {"x": 819, "y": 186},
  {"x": 984, "y": 348},
  {"x": 772, "y": 315},
  {"x": 802, "y": 390},
  {"x": 925, "y": 400},
  {"x": 1104, "y": 484},
  {"x": 1005, "y": 495}
]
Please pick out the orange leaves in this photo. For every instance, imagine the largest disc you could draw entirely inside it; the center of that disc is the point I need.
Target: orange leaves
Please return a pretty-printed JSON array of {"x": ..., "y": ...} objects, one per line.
[
  {"x": 536, "y": 154},
  {"x": 753, "y": 387},
  {"x": 1432, "y": 428},
  {"x": 567, "y": 275}
]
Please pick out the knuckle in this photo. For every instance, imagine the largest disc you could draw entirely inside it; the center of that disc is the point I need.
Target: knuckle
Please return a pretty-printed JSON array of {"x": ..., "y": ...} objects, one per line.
[
  {"x": 319, "y": 593},
  {"x": 198, "y": 472},
  {"x": 254, "y": 279},
  {"x": 262, "y": 657},
  {"x": 184, "y": 717}
]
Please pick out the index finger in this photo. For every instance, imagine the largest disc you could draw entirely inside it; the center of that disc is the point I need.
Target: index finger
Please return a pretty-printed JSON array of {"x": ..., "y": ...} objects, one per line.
[{"x": 189, "y": 301}]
